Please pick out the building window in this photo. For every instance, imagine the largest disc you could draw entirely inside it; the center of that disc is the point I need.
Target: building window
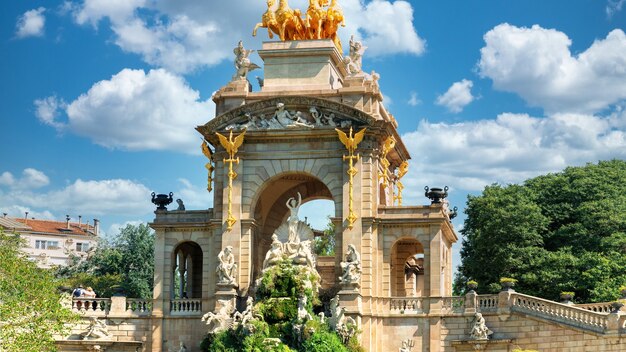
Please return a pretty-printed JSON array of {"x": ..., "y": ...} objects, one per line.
[
  {"x": 82, "y": 247},
  {"x": 40, "y": 244}
]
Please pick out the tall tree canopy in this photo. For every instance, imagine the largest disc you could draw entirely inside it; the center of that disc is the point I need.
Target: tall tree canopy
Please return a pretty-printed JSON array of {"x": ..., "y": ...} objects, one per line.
[
  {"x": 559, "y": 232},
  {"x": 31, "y": 311},
  {"x": 126, "y": 260}
]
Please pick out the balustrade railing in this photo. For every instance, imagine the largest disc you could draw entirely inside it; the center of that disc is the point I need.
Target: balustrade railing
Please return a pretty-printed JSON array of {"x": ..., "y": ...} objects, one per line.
[
  {"x": 138, "y": 306},
  {"x": 560, "y": 312},
  {"x": 453, "y": 304},
  {"x": 186, "y": 306},
  {"x": 604, "y": 307},
  {"x": 91, "y": 304},
  {"x": 406, "y": 305},
  {"x": 487, "y": 303}
]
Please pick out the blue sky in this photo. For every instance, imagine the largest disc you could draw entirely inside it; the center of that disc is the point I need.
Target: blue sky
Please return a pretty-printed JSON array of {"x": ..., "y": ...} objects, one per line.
[{"x": 100, "y": 97}]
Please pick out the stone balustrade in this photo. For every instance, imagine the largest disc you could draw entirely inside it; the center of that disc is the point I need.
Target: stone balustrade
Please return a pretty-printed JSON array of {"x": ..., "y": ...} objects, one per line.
[
  {"x": 566, "y": 314},
  {"x": 139, "y": 306},
  {"x": 406, "y": 305},
  {"x": 186, "y": 307},
  {"x": 604, "y": 307},
  {"x": 118, "y": 306},
  {"x": 91, "y": 306},
  {"x": 487, "y": 303},
  {"x": 453, "y": 305}
]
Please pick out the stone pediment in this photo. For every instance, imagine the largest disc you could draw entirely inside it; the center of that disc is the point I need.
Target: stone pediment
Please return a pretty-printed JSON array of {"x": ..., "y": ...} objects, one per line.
[{"x": 297, "y": 112}]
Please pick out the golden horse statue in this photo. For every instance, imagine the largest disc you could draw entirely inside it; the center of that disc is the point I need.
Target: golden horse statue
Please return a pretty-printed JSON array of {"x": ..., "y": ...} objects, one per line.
[
  {"x": 318, "y": 23},
  {"x": 334, "y": 19},
  {"x": 285, "y": 17},
  {"x": 268, "y": 21},
  {"x": 315, "y": 17}
]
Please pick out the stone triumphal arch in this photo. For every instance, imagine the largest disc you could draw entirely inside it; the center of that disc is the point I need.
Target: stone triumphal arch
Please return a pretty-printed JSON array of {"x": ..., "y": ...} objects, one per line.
[
  {"x": 282, "y": 142},
  {"x": 317, "y": 128}
]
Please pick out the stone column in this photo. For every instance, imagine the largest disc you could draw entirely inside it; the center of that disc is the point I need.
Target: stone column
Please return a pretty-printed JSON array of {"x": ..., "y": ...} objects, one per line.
[{"x": 159, "y": 294}]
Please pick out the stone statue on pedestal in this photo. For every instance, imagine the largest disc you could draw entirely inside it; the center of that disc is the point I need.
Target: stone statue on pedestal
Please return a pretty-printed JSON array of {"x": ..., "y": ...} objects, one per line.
[
  {"x": 353, "y": 61},
  {"x": 242, "y": 62},
  {"x": 97, "y": 330},
  {"x": 480, "y": 331},
  {"x": 227, "y": 269},
  {"x": 351, "y": 267}
]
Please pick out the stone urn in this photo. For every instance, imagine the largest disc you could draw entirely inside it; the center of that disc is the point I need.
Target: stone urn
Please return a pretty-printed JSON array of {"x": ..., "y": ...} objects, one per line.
[
  {"x": 507, "y": 284},
  {"x": 472, "y": 285},
  {"x": 162, "y": 200},
  {"x": 616, "y": 306},
  {"x": 566, "y": 297},
  {"x": 435, "y": 194}
]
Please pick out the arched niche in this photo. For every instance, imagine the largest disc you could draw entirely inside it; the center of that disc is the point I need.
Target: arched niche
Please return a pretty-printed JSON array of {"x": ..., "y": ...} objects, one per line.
[
  {"x": 407, "y": 268},
  {"x": 270, "y": 209},
  {"x": 186, "y": 271}
]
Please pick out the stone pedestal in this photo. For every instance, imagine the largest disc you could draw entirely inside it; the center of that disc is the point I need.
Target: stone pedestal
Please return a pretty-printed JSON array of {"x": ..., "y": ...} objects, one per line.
[
  {"x": 352, "y": 301},
  {"x": 226, "y": 294},
  {"x": 302, "y": 65}
]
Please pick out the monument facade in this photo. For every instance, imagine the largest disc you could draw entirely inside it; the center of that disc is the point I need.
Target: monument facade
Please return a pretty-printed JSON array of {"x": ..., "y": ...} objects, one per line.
[{"x": 318, "y": 129}]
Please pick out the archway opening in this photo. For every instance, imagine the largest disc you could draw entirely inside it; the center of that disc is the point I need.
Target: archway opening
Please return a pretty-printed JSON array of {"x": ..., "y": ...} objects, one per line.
[
  {"x": 271, "y": 210},
  {"x": 407, "y": 269},
  {"x": 187, "y": 271}
]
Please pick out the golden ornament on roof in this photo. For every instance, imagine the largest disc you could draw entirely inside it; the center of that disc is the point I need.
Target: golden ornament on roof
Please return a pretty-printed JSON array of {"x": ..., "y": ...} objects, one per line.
[{"x": 321, "y": 21}]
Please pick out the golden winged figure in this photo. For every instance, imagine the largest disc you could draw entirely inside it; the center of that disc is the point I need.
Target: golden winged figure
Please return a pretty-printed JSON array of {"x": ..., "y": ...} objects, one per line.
[
  {"x": 350, "y": 142},
  {"x": 206, "y": 150},
  {"x": 231, "y": 145}
]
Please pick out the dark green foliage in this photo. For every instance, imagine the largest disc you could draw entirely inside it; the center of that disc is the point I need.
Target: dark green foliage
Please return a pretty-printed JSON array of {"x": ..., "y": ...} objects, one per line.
[
  {"x": 557, "y": 232},
  {"x": 31, "y": 308},
  {"x": 277, "y": 306},
  {"x": 127, "y": 260},
  {"x": 324, "y": 341}
]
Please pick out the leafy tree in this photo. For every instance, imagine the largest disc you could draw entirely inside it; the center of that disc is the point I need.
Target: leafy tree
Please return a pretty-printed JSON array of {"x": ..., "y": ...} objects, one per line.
[
  {"x": 557, "y": 232},
  {"x": 31, "y": 311},
  {"x": 127, "y": 260},
  {"x": 325, "y": 244}
]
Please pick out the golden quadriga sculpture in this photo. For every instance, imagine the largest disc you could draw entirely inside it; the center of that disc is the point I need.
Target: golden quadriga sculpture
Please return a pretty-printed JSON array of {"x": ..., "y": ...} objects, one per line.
[{"x": 320, "y": 21}]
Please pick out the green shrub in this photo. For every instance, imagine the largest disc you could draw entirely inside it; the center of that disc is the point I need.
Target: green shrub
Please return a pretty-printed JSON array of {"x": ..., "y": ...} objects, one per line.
[{"x": 323, "y": 341}]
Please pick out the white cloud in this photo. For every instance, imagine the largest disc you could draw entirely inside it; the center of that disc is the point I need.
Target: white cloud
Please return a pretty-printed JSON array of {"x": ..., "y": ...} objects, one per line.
[
  {"x": 184, "y": 36},
  {"x": 30, "y": 179},
  {"x": 47, "y": 110},
  {"x": 118, "y": 11},
  {"x": 135, "y": 110},
  {"x": 386, "y": 27},
  {"x": 509, "y": 149},
  {"x": 537, "y": 64},
  {"x": 18, "y": 211},
  {"x": 103, "y": 197},
  {"x": 31, "y": 23},
  {"x": 457, "y": 96},
  {"x": 414, "y": 100},
  {"x": 7, "y": 179},
  {"x": 613, "y": 7}
]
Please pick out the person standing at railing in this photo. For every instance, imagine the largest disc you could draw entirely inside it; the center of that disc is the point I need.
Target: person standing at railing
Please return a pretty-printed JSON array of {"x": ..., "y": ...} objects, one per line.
[
  {"x": 90, "y": 293},
  {"x": 77, "y": 293}
]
